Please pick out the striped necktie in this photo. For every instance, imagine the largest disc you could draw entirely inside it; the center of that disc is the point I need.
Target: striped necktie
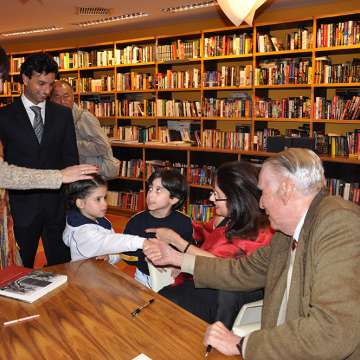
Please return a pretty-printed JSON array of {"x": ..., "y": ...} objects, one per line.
[{"x": 38, "y": 122}]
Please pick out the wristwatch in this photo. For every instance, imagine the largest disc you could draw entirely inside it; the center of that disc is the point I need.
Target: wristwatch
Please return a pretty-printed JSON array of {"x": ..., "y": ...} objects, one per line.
[{"x": 239, "y": 345}]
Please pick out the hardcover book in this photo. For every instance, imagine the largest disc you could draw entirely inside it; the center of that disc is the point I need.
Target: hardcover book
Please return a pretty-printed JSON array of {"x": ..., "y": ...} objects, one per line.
[{"x": 27, "y": 284}]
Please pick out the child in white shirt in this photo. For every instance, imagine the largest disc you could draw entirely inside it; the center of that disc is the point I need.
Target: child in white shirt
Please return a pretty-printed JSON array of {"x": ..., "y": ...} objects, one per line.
[{"x": 88, "y": 232}]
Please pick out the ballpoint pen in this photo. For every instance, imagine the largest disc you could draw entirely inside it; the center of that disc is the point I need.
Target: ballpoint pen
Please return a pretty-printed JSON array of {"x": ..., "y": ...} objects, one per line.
[
  {"x": 208, "y": 350},
  {"x": 137, "y": 310}
]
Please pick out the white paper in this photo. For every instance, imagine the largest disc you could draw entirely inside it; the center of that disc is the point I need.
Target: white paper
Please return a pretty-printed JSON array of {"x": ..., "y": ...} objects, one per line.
[{"x": 141, "y": 357}]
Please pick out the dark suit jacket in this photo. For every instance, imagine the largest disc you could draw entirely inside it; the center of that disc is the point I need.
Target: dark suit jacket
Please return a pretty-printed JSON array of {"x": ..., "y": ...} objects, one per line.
[
  {"x": 57, "y": 150},
  {"x": 323, "y": 313}
]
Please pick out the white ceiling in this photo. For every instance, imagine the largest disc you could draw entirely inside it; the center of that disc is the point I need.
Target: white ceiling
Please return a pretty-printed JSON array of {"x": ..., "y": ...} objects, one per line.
[{"x": 19, "y": 15}]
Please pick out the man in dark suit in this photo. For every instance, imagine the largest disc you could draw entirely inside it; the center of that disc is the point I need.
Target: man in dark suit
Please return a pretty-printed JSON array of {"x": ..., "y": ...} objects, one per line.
[{"x": 37, "y": 133}]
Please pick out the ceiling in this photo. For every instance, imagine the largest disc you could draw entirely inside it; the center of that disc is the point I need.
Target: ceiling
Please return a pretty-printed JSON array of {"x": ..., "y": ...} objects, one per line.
[{"x": 20, "y": 15}]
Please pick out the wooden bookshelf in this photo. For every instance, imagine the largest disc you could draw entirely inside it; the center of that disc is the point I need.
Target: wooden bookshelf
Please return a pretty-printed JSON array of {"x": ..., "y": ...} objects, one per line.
[{"x": 242, "y": 48}]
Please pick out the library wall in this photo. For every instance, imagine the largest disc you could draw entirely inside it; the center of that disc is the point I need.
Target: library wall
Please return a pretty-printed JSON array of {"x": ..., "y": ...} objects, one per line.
[
  {"x": 128, "y": 32},
  {"x": 144, "y": 102}
]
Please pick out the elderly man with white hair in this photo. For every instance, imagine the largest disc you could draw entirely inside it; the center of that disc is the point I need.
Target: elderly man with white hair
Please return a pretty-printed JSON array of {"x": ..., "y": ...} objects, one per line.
[{"x": 310, "y": 271}]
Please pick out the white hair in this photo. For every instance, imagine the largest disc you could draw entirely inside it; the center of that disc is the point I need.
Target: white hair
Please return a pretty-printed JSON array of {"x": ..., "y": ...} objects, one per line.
[{"x": 302, "y": 166}]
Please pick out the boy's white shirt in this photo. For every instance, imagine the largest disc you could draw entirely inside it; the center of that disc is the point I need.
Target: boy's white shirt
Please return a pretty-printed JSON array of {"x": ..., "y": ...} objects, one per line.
[{"x": 90, "y": 240}]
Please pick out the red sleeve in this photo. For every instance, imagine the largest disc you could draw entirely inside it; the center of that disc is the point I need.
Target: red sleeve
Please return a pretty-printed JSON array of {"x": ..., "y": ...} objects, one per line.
[{"x": 243, "y": 247}]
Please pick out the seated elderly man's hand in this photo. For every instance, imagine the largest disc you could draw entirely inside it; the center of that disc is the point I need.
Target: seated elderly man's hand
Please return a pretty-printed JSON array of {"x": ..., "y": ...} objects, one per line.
[
  {"x": 222, "y": 339},
  {"x": 160, "y": 253}
]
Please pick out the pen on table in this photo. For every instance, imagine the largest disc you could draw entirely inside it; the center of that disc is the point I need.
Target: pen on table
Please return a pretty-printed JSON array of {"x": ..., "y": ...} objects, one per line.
[
  {"x": 208, "y": 350},
  {"x": 137, "y": 310},
  {"x": 11, "y": 322}
]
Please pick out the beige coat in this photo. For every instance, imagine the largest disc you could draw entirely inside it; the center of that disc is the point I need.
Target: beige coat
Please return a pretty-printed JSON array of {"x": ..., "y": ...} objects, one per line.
[
  {"x": 20, "y": 178},
  {"x": 323, "y": 314}
]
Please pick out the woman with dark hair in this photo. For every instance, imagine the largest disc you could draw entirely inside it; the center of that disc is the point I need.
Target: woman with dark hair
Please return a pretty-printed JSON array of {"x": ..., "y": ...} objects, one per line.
[{"x": 241, "y": 230}]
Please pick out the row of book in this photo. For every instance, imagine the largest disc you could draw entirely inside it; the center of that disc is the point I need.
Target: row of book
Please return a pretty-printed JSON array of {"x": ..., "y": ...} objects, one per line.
[
  {"x": 347, "y": 190},
  {"x": 131, "y": 168},
  {"x": 338, "y": 34},
  {"x": 11, "y": 88},
  {"x": 199, "y": 175},
  {"x": 179, "y": 50},
  {"x": 154, "y": 165},
  {"x": 133, "y": 133},
  {"x": 202, "y": 175},
  {"x": 142, "y": 107},
  {"x": 239, "y": 75},
  {"x": 295, "y": 40},
  {"x": 328, "y": 73},
  {"x": 180, "y": 108},
  {"x": 134, "y": 54},
  {"x": 338, "y": 145},
  {"x": 179, "y": 79},
  {"x": 105, "y": 83},
  {"x": 338, "y": 108},
  {"x": 134, "y": 81},
  {"x": 201, "y": 212},
  {"x": 291, "y": 107},
  {"x": 131, "y": 54},
  {"x": 284, "y": 72},
  {"x": 261, "y": 136},
  {"x": 232, "y": 140},
  {"x": 167, "y": 135},
  {"x": 237, "y": 107},
  {"x": 225, "y": 45},
  {"x": 99, "y": 108},
  {"x": 128, "y": 200}
]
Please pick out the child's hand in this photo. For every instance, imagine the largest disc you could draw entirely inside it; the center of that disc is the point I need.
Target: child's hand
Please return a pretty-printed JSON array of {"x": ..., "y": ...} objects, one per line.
[{"x": 103, "y": 257}]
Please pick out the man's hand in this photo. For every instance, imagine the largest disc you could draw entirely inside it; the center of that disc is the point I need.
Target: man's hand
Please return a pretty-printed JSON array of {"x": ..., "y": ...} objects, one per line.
[
  {"x": 160, "y": 253},
  {"x": 222, "y": 339},
  {"x": 78, "y": 172}
]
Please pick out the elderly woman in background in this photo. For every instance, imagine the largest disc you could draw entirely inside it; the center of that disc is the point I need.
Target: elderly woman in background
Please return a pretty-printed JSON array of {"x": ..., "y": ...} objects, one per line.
[{"x": 19, "y": 178}]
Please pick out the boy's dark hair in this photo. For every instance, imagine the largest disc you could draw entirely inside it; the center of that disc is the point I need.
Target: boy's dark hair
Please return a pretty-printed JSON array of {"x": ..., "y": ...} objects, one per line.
[
  {"x": 174, "y": 182},
  {"x": 81, "y": 189},
  {"x": 238, "y": 181},
  {"x": 40, "y": 63},
  {"x": 4, "y": 64}
]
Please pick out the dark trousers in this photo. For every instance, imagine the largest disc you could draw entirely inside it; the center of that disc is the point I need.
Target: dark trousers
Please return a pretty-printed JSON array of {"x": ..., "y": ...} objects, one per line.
[
  {"x": 27, "y": 237},
  {"x": 209, "y": 304}
]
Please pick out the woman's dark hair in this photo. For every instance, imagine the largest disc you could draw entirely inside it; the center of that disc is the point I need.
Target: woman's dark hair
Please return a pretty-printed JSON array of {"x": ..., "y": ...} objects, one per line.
[
  {"x": 238, "y": 181},
  {"x": 81, "y": 189},
  {"x": 4, "y": 64},
  {"x": 40, "y": 63},
  {"x": 174, "y": 182}
]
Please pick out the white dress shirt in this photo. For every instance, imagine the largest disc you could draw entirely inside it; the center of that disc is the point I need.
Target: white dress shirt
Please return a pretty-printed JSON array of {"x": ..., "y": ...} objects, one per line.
[
  {"x": 284, "y": 302},
  {"x": 27, "y": 103}
]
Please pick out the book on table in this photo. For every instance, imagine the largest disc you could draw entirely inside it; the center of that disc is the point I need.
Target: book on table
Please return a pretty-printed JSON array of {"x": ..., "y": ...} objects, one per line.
[{"x": 27, "y": 284}]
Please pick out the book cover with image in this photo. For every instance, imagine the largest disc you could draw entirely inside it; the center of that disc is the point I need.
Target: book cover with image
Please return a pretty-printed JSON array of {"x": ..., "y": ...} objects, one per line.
[{"x": 26, "y": 284}]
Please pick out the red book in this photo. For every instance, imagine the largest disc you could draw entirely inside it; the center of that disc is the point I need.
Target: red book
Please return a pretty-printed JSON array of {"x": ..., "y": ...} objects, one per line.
[
  {"x": 28, "y": 284},
  {"x": 12, "y": 273}
]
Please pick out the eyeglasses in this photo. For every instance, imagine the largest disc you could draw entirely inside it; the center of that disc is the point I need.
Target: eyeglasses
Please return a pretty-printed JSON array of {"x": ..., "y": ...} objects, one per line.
[{"x": 213, "y": 194}]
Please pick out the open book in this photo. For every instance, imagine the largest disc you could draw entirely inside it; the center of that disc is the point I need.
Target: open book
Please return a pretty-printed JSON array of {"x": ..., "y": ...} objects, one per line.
[{"x": 27, "y": 284}]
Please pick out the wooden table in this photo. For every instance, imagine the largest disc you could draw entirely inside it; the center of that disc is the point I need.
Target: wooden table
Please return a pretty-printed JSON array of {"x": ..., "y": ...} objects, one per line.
[{"x": 90, "y": 318}]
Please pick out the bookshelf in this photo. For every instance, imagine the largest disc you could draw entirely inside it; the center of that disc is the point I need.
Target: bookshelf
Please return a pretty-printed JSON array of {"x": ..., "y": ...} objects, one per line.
[{"x": 226, "y": 89}]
